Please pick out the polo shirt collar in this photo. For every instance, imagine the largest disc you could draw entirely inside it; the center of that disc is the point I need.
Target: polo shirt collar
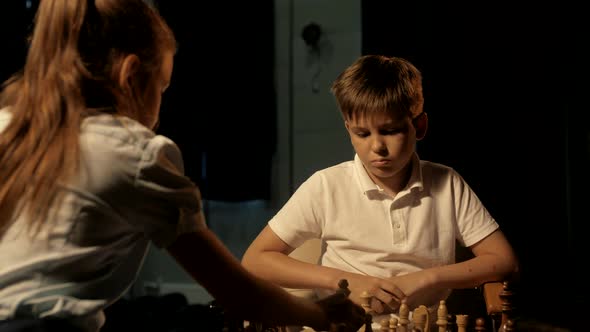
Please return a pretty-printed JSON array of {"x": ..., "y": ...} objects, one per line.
[{"x": 367, "y": 185}]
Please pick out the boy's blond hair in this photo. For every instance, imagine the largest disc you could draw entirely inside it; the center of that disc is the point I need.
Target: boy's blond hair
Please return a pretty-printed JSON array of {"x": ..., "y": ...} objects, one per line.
[{"x": 376, "y": 84}]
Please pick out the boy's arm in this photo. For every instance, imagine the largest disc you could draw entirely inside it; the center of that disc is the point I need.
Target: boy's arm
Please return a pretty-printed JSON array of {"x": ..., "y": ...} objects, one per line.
[
  {"x": 267, "y": 257},
  {"x": 494, "y": 261}
]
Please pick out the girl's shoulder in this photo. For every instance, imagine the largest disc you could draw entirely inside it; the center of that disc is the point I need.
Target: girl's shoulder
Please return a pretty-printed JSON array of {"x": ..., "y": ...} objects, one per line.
[
  {"x": 115, "y": 127},
  {"x": 118, "y": 140}
]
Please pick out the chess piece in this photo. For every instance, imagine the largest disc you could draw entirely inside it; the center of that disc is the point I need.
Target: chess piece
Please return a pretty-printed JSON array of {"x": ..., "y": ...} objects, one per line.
[
  {"x": 368, "y": 323},
  {"x": 366, "y": 301},
  {"x": 343, "y": 287},
  {"x": 441, "y": 315},
  {"x": 404, "y": 314},
  {"x": 510, "y": 326},
  {"x": 421, "y": 319},
  {"x": 461, "y": 323},
  {"x": 338, "y": 295},
  {"x": 384, "y": 325},
  {"x": 450, "y": 323},
  {"x": 392, "y": 324},
  {"x": 506, "y": 296},
  {"x": 480, "y": 325}
]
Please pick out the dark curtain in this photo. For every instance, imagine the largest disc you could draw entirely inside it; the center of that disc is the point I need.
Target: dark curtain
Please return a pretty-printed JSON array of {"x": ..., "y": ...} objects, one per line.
[
  {"x": 221, "y": 106},
  {"x": 505, "y": 90},
  {"x": 15, "y": 25}
]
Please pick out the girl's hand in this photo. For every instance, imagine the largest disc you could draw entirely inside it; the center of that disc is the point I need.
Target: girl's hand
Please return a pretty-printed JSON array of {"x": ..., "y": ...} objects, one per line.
[
  {"x": 385, "y": 295},
  {"x": 343, "y": 314}
]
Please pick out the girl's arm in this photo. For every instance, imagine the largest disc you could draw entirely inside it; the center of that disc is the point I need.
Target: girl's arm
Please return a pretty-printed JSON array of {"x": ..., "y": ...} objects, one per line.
[
  {"x": 268, "y": 257},
  {"x": 205, "y": 257}
]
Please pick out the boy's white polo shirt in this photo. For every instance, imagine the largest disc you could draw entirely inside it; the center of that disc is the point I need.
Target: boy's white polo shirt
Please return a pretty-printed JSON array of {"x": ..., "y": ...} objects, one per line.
[{"x": 364, "y": 230}]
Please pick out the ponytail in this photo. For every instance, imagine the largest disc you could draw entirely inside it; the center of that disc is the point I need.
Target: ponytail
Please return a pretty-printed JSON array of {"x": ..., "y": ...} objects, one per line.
[
  {"x": 73, "y": 64},
  {"x": 39, "y": 147}
]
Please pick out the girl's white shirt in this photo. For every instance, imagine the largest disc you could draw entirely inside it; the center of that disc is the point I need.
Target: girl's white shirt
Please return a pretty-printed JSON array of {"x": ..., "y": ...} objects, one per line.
[{"x": 130, "y": 191}]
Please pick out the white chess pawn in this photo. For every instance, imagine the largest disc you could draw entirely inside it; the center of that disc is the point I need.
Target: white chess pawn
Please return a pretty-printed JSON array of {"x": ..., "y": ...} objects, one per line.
[
  {"x": 441, "y": 315},
  {"x": 404, "y": 315},
  {"x": 366, "y": 301}
]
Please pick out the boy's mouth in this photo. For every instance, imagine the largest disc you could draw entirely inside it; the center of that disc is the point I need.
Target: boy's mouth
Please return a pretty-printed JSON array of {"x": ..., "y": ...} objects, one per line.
[{"x": 380, "y": 162}]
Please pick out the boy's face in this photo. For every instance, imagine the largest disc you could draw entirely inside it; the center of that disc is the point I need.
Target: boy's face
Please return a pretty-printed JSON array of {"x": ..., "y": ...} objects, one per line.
[{"x": 385, "y": 144}]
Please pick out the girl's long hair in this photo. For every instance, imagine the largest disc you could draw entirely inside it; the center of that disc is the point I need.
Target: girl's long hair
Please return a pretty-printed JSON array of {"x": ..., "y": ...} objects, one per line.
[{"x": 72, "y": 65}]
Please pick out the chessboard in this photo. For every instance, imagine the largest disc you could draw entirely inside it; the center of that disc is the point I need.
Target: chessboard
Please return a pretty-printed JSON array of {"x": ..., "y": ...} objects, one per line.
[
  {"x": 420, "y": 318},
  {"x": 417, "y": 320}
]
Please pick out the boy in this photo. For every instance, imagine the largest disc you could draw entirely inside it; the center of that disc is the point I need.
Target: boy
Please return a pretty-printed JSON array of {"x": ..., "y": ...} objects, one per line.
[{"x": 388, "y": 221}]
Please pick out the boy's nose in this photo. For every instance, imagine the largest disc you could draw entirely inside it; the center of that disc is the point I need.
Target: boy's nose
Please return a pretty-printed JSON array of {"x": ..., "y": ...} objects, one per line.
[{"x": 378, "y": 145}]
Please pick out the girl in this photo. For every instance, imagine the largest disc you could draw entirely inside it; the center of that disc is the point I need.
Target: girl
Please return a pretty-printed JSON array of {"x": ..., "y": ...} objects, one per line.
[{"x": 86, "y": 184}]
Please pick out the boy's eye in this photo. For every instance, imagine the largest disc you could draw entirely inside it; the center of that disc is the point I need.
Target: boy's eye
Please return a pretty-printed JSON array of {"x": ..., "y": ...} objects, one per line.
[
  {"x": 362, "y": 134},
  {"x": 391, "y": 131}
]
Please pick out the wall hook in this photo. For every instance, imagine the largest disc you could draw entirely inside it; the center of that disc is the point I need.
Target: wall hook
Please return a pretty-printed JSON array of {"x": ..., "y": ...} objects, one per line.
[{"x": 312, "y": 34}]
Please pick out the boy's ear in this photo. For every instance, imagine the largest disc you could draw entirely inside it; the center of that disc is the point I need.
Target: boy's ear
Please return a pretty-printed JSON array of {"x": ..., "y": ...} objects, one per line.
[
  {"x": 129, "y": 67},
  {"x": 421, "y": 125}
]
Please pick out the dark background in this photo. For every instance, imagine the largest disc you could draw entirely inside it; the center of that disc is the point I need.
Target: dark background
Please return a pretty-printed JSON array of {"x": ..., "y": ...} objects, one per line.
[
  {"x": 224, "y": 88},
  {"x": 220, "y": 107},
  {"x": 505, "y": 88}
]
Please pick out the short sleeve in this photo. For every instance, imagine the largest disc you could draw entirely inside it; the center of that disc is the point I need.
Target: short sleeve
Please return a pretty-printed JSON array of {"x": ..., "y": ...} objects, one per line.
[
  {"x": 473, "y": 219},
  {"x": 301, "y": 218},
  {"x": 169, "y": 203}
]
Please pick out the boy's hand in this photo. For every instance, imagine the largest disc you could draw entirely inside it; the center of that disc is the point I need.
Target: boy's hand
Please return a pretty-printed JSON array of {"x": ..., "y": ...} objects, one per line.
[
  {"x": 416, "y": 287},
  {"x": 388, "y": 294}
]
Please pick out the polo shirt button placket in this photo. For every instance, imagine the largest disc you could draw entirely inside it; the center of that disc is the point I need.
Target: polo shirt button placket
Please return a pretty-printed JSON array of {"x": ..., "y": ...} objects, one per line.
[{"x": 398, "y": 237}]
